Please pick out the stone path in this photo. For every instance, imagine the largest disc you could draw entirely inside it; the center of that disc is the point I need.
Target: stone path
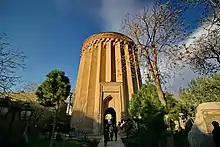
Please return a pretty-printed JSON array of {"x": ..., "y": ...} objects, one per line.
[{"x": 117, "y": 143}]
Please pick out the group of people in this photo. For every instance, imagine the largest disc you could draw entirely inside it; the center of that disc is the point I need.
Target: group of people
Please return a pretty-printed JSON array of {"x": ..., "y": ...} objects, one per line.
[{"x": 109, "y": 131}]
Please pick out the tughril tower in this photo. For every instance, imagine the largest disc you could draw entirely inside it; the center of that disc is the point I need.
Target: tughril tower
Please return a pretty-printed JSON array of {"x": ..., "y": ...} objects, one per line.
[{"x": 108, "y": 76}]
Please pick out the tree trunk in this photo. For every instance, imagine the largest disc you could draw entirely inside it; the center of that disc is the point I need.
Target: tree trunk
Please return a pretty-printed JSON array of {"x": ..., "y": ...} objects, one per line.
[
  {"x": 159, "y": 90},
  {"x": 153, "y": 68},
  {"x": 157, "y": 76},
  {"x": 53, "y": 129}
]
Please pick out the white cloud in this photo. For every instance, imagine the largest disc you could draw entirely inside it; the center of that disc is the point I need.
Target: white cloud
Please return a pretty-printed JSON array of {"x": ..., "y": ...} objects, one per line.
[
  {"x": 183, "y": 77},
  {"x": 201, "y": 31},
  {"x": 186, "y": 75},
  {"x": 113, "y": 11}
]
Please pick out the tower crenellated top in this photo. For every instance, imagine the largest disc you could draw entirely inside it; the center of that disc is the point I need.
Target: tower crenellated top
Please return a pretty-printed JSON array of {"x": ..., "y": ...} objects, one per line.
[{"x": 104, "y": 36}]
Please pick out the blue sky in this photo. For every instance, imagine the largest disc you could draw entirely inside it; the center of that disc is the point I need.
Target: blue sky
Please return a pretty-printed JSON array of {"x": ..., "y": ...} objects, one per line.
[{"x": 51, "y": 32}]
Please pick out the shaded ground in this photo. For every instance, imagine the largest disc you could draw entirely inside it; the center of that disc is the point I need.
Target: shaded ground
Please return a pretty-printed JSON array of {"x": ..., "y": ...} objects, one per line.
[{"x": 117, "y": 143}]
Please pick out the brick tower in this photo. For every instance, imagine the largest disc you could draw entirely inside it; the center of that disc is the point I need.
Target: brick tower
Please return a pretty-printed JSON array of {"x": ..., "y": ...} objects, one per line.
[{"x": 108, "y": 76}]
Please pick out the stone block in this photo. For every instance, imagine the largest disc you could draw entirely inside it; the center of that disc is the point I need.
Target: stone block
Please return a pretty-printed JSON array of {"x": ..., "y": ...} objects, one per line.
[{"x": 200, "y": 134}]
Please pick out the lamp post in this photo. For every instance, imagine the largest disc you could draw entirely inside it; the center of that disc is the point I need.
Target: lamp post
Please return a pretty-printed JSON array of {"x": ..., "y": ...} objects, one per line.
[
  {"x": 137, "y": 120},
  {"x": 68, "y": 101}
]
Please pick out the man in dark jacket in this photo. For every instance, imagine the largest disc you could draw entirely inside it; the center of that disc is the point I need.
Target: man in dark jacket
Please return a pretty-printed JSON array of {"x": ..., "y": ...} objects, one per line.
[
  {"x": 111, "y": 132},
  {"x": 216, "y": 133},
  {"x": 106, "y": 135},
  {"x": 116, "y": 132}
]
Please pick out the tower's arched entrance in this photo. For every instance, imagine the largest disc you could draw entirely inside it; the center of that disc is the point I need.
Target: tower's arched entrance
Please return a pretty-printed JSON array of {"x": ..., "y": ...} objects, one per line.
[{"x": 109, "y": 115}]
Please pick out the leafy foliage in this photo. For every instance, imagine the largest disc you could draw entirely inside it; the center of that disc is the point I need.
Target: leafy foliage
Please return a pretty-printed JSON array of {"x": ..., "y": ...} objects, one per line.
[
  {"x": 41, "y": 116},
  {"x": 55, "y": 89},
  {"x": 129, "y": 128},
  {"x": 204, "y": 89},
  {"x": 146, "y": 102},
  {"x": 171, "y": 102},
  {"x": 52, "y": 92}
]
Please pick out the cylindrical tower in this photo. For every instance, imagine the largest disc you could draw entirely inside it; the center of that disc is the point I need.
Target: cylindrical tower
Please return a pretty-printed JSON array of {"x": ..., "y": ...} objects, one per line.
[{"x": 108, "y": 76}]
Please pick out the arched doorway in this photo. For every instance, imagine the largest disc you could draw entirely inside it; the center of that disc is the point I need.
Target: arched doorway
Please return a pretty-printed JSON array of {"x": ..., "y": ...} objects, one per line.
[{"x": 109, "y": 115}]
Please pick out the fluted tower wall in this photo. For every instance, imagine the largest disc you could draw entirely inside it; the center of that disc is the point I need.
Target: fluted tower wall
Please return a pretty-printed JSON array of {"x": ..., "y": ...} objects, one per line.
[{"x": 108, "y": 67}]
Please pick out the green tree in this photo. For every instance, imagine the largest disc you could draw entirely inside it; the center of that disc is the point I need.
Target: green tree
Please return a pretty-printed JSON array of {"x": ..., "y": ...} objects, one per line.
[
  {"x": 204, "y": 89},
  {"x": 53, "y": 91},
  {"x": 171, "y": 102},
  {"x": 147, "y": 104}
]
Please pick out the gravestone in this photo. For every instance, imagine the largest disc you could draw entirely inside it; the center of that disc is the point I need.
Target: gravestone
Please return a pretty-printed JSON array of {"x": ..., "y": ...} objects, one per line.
[{"x": 201, "y": 131}]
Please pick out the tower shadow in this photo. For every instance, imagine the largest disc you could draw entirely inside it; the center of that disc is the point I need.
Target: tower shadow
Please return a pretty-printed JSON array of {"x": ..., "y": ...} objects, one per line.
[{"x": 81, "y": 122}]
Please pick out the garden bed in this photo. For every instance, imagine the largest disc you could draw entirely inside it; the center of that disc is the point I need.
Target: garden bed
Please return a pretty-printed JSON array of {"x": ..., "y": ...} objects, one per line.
[{"x": 127, "y": 143}]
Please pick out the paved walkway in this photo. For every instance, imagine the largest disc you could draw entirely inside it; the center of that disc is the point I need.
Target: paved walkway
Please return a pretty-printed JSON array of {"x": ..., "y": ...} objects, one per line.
[{"x": 113, "y": 143}]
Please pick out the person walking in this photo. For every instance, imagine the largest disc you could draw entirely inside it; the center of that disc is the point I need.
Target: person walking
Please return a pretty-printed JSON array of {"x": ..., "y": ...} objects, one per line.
[
  {"x": 106, "y": 135},
  {"x": 216, "y": 133},
  {"x": 111, "y": 131},
  {"x": 116, "y": 132}
]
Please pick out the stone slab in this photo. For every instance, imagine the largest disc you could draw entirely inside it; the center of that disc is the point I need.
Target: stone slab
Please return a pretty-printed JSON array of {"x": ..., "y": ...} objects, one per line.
[{"x": 201, "y": 131}]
